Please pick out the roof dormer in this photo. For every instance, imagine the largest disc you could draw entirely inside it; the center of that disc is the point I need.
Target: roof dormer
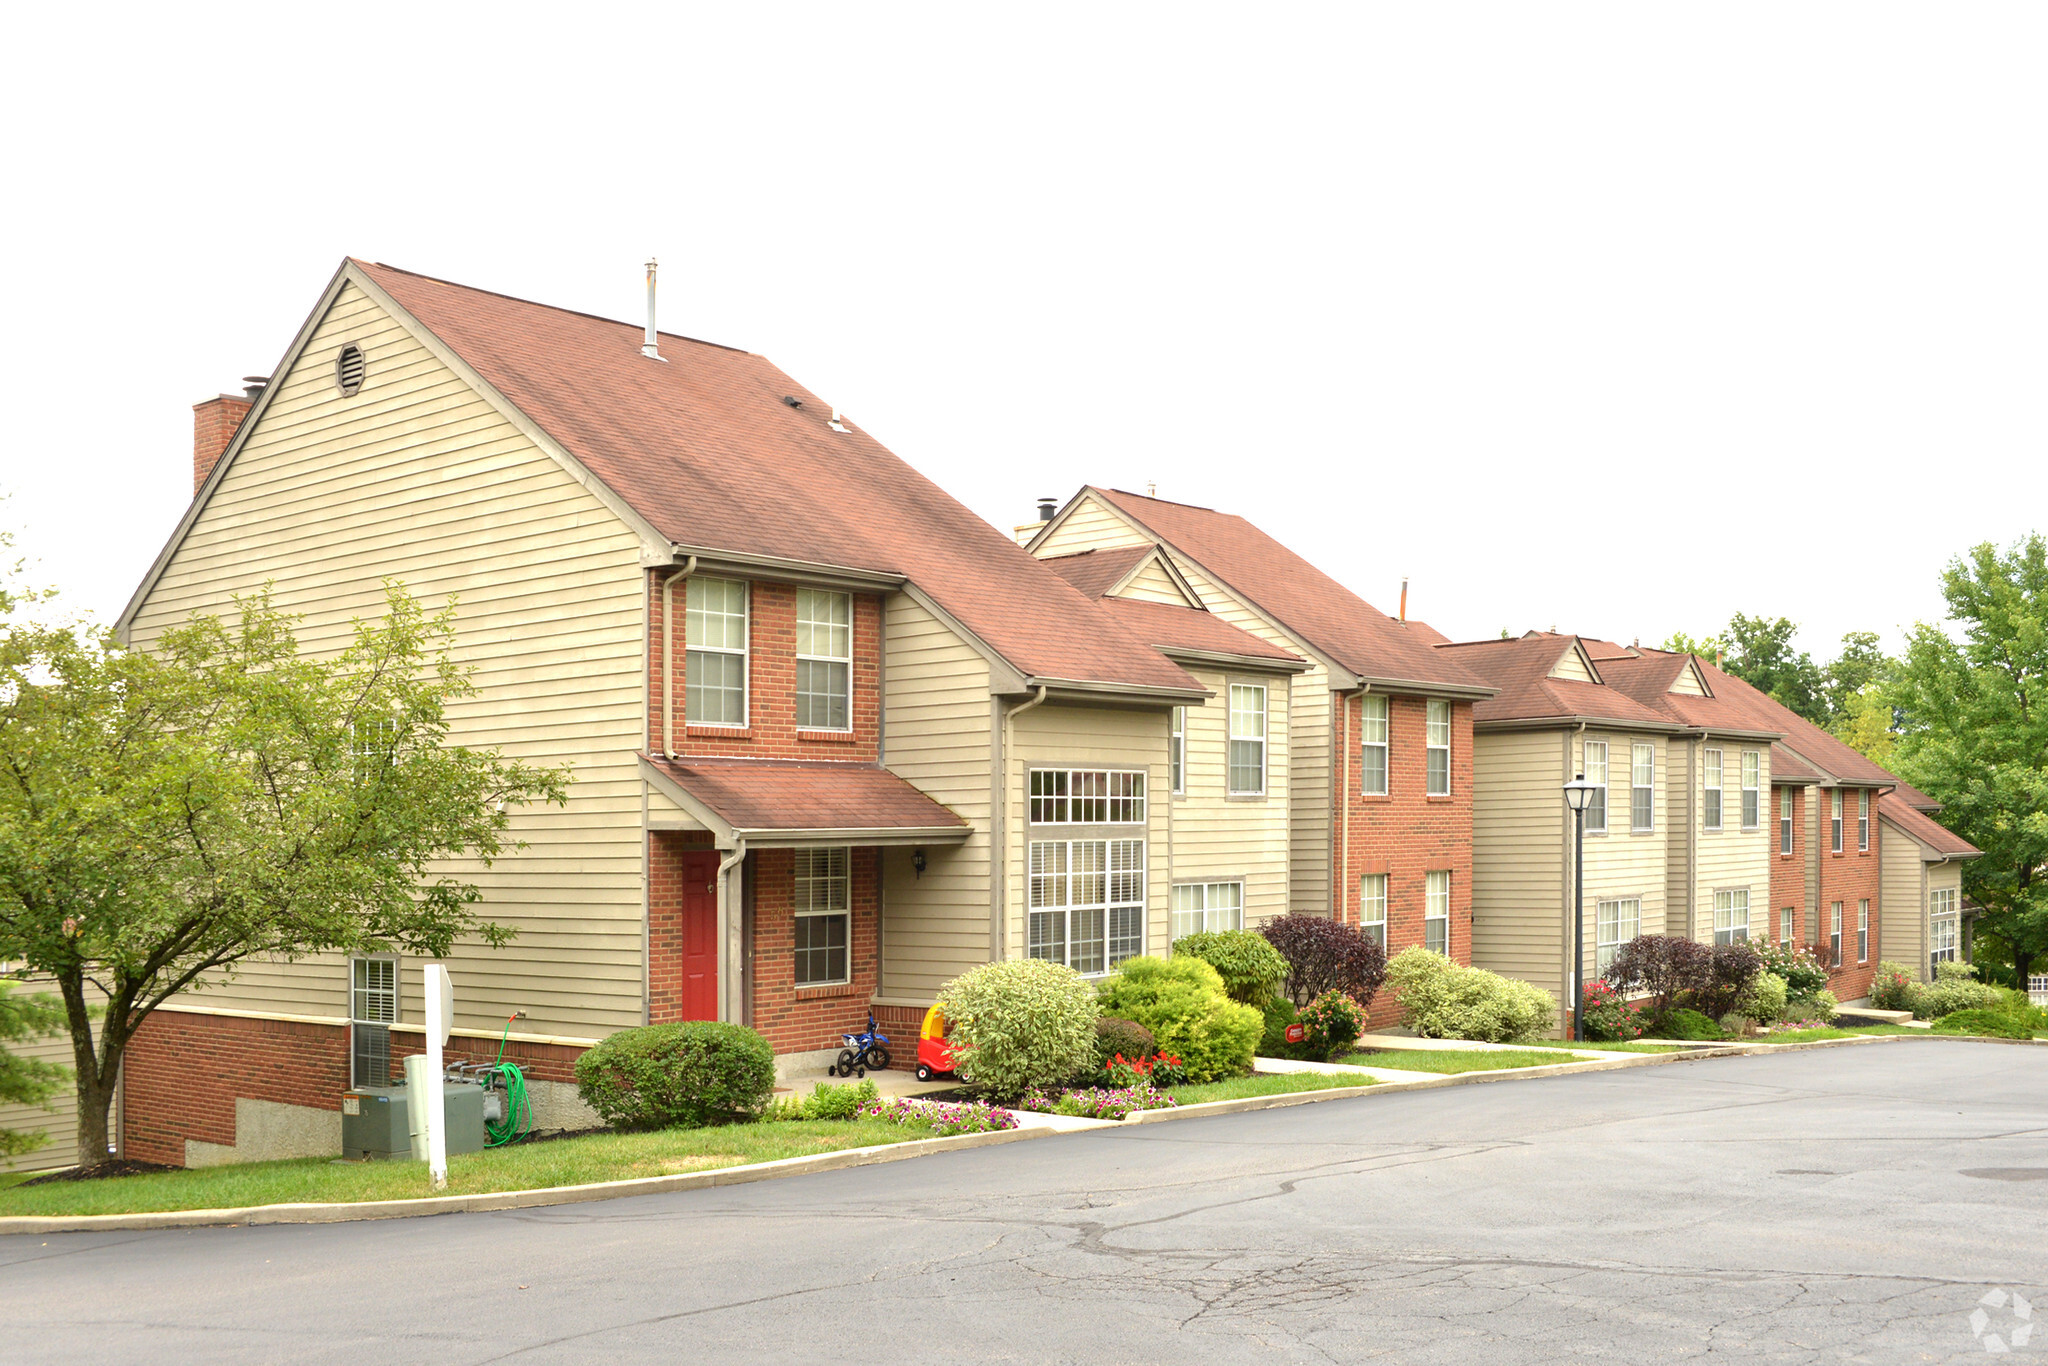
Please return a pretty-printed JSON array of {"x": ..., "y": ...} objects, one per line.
[
  {"x": 1690, "y": 681},
  {"x": 1575, "y": 663}
]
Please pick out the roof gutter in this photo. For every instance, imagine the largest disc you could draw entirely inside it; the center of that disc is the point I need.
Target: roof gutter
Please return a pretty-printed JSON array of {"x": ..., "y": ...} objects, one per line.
[
  {"x": 1225, "y": 659},
  {"x": 715, "y": 560}
]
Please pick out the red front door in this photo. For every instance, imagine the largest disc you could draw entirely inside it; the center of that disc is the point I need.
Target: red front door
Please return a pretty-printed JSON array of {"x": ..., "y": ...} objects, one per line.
[{"x": 700, "y": 937}]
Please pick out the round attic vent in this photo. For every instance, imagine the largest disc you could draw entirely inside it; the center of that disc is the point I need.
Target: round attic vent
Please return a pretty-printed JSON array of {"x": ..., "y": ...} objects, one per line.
[{"x": 348, "y": 370}]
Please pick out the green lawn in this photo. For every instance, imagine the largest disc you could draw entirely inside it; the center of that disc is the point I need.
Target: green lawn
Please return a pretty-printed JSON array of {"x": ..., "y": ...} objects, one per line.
[
  {"x": 1269, "y": 1084},
  {"x": 562, "y": 1162},
  {"x": 1454, "y": 1060},
  {"x": 1830, "y": 1032},
  {"x": 1625, "y": 1046}
]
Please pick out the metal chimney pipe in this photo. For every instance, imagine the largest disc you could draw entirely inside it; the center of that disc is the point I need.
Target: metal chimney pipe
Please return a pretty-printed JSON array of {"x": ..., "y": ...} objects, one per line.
[
  {"x": 648, "y": 349},
  {"x": 1404, "y": 599}
]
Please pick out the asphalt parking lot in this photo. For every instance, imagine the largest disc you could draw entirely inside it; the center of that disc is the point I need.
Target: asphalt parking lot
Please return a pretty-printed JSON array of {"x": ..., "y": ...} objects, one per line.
[{"x": 1844, "y": 1204}]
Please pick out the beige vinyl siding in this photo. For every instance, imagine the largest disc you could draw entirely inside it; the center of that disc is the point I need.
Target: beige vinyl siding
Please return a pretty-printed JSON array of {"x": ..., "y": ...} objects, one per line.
[
  {"x": 1688, "y": 683},
  {"x": 1732, "y": 857},
  {"x": 1090, "y": 526},
  {"x": 1060, "y": 736},
  {"x": 1622, "y": 863},
  {"x": 935, "y": 927},
  {"x": 1216, "y": 838},
  {"x": 1572, "y": 665},
  {"x": 663, "y": 813},
  {"x": 1520, "y": 848},
  {"x": 418, "y": 478},
  {"x": 1153, "y": 584},
  {"x": 1902, "y": 901},
  {"x": 60, "y": 1121}
]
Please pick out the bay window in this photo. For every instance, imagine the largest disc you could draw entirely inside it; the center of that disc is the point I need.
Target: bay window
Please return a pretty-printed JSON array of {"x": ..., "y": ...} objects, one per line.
[{"x": 1087, "y": 902}]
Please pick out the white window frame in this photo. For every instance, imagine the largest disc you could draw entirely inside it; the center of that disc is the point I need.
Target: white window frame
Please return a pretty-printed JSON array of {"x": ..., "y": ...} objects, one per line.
[
  {"x": 1835, "y": 934},
  {"x": 1436, "y": 911},
  {"x": 1785, "y": 925},
  {"x": 1713, "y": 779},
  {"x": 1436, "y": 736},
  {"x": 1944, "y": 928},
  {"x": 1085, "y": 796},
  {"x": 811, "y": 628},
  {"x": 1371, "y": 748},
  {"x": 1785, "y": 821},
  {"x": 1752, "y": 789},
  {"x": 1062, "y": 886},
  {"x": 1596, "y": 773},
  {"x": 1731, "y": 915},
  {"x": 1206, "y": 908},
  {"x": 1835, "y": 818},
  {"x": 693, "y": 644},
  {"x": 1863, "y": 930},
  {"x": 1642, "y": 793},
  {"x": 1615, "y": 922},
  {"x": 374, "y": 1005},
  {"x": 823, "y": 894},
  {"x": 1231, "y": 766},
  {"x": 1863, "y": 821},
  {"x": 1177, "y": 750},
  {"x": 1372, "y": 907}
]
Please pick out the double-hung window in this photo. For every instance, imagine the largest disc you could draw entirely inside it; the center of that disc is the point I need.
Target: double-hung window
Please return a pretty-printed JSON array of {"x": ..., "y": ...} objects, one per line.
[
  {"x": 1863, "y": 930},
  {"x": 1087, "y": 902},
  {"x": 1785, "y": 925},
  {"x": 824, "y": 917},
  {"x": 715, "y": 673},
  {"x": 1177, "y": 749},
  {"x": 1372, "y": 757},
  {"x": 1784, "y": 820},
  {"x": 1835, "y": 806},
  {"x": 1941, "y": 927},
  {"x": 1835, "y": 934},
  {"x": 1619, "y": 921},
  {"x": 1711, "y": 805},
  {"x": 1372, "y": 908},
  {"x": 373, "y": 1009},
  {"x": 1207, "y": 907},
  {"x": 1642, "y": 791},
  {"x": 1863, "y": 820},
  {"x": 1083, "y": 796},
  {"x": 1247, "y": 739},
  {"x": 1596, "y": 773},
  {"x": 1437, "y": 732},
  {"x": 1731, "y": 916},
  {"x": 824, "y": 660},
  {"x": 1752, "y": 789},
  {"x": 1436, "y": 912}
]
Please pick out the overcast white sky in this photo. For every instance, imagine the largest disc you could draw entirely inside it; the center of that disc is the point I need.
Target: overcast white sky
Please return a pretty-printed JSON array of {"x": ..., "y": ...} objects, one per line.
[{"x": 1618, "y": 318}]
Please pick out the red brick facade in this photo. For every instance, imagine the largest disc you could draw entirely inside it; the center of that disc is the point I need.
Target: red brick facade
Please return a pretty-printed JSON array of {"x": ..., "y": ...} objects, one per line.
[
  {"x": 771, "y": 731},
  {"x": 1849, "y": 877},
  {"x": 1788, "y": 871},
  {"x": 665, "y": 853},
  {"x": 1405, "y": 834},
  {"x": 183, "y": 1073},
  {"x": 213, "y": 427},
  {"x": 796, "y": 1019}
]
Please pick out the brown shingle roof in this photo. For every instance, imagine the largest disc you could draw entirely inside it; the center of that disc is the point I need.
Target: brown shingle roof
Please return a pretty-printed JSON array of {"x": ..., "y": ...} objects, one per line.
[
  {"x": 706, "y": 451},
  {"x": 1293, "y": 592},
  {"x": 1190, "y": 628},
  {"x": 1944, "y": 842},
  {"x": 772, "y": 795},
  {"x": 1760, "y": 711},
  {"x": 1647, "y": 676},
  {"x": 1520, "y": 669},
  {"x": 1787, "y": 766},
  {"x": 1915, "y": 798},
  {"x": 1095, "y": 572}
]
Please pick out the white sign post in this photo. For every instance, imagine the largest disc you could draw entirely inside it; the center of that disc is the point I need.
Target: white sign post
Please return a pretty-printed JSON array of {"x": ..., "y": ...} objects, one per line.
[{"x": 440, "y": 1019}]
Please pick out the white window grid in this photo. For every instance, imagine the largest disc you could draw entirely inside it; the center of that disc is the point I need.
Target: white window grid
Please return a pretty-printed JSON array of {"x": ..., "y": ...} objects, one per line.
[
  {"x": 1785, "y": 820},
  {"x": 1177, "y": 749},
  {"x": 1087, "y": 796},
  {"x": 1247, "y": 739},
  {"x": 1372, "y": 907},
  {"x": 1731, "y": 916},
  {"x": 1943, "y": 939},
  {"x": 1642, "y": 792},
  {"x": 1835, "y": 805},
  {"x": 1372, "y": 762},
  {"x": 1436, "y": 912},
  {"x": 1835, "y": 935},
  {"x": 1437, "y": 736},
  {"x": 1616, "y": 921},
  {"x": 824, "y": 660},
  {"x": 1595, "y": 756},
  {"x": 715, "y": 665},
  {"x": 1785, "y": 925},
  {"x": 1752, "y": 789},
  {"x": 1087, "y": 903},
  {"x": 1863, "y": 931},
  {"x": 1207, "y": 907},
  {"x": 1710, "y": 807},
  {"x": 1863, "y": 821},
  {"x": 824, "y": 917}
]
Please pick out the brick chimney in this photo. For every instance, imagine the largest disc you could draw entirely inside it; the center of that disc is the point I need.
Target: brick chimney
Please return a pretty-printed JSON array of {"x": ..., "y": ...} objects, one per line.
[{"x": 214, "y": 423}]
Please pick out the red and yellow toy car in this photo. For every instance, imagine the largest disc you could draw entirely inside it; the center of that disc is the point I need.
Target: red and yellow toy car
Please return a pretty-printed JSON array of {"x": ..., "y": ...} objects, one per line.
[{"x": 934, "y": 1054}]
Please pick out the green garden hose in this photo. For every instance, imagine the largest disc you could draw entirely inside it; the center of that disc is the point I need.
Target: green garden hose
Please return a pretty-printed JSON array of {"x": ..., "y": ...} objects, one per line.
[{"x": 517, "y": 1121}]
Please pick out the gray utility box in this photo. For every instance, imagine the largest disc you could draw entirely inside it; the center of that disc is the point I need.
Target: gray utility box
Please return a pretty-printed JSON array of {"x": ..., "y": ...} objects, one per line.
[{"x": 373, "y": 1120}]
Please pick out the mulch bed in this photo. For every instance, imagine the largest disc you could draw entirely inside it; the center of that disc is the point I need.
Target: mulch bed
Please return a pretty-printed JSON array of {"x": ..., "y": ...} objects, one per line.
[{"x": 115, "y": 1167}]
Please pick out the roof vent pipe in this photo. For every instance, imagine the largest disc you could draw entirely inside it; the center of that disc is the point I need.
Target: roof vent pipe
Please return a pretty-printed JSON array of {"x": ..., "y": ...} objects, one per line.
[
  {"x": 1046, "y": 508},
  {"x": 254, "y": 385},
  {"x": 1404, "y": 599},
  {"x": 648, "y": 349}
]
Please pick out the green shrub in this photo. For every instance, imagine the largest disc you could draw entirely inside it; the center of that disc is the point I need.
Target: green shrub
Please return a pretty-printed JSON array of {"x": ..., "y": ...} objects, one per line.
[
  {"x": 1802, "y": 972},
  {"x": 677, "y": 1076},
  {"x": 1955, "y": 987},
  {"x": 1126, "y": 1037},
  {"x": 839, "y": 1102},
  {"x": 1182, "y": 1001},
  {"x": 1690, "y": 1025},
  {"x": 1443, "y": 1000},
  {"x": 1996, "y": 1022},
  {"x": 1817, "y": 1009},
  {"x": 1251, "y": 968},
  {"x": 1018, "y": 1024},
  {"x": 1763, "y": 1002},
  {"x": 1893, "y": 988},
  {"x": 1279, "y": 1014}
]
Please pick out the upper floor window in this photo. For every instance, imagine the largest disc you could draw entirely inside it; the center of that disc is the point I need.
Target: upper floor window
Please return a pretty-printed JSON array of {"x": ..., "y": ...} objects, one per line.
[
  {"x": 1596, "y": 772},
  {"x": 1711, "y": 805},
  {"x": 1752, "y": 789},
  {"x": 1437, "y": 725},
  {"x": 1731, "y": 916},
  {"x": 1618, "y": 922},
  {"x": 1785, "y": 820},
  {"x": 1836, "y": 820},
  {"x": 1247, "y": 739},
  {"x": 1436, "y": 912},
  {"x": 715, "y": 675},
  {"x": 1372, "y": 908},
  {"x": 1083, "y": 796},
  {"x": 824, "y": 660},
  {"x": 1177, "y": 749},
  {"x": 824, "y": 914},
  {"x": 1642, "y": 792},
  {"x": 1863, "y": 821},
  {"x": 1372, "y": 759}
]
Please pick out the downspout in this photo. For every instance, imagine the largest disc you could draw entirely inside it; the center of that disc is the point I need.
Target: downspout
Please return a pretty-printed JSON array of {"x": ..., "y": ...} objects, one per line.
[
  {"x": 998, "y": 919},
  {"x": 1344, "y": 747},
  {"x": 728, "y": 933},
  {"x": 668, "y": 656}
]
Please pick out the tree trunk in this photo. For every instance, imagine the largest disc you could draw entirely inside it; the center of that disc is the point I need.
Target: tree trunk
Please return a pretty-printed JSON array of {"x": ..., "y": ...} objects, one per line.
[
  {"x": 95, "y": 1063},
  {"x": 94, "y": 1103}
]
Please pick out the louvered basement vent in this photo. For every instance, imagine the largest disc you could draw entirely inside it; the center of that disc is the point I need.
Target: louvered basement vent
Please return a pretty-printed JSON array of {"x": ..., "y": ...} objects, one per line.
[{"x": 348, "y": 370}]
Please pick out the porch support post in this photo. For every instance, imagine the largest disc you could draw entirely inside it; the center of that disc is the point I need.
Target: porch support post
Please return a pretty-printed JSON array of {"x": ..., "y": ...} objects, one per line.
[{"x": 730, "y": 988}]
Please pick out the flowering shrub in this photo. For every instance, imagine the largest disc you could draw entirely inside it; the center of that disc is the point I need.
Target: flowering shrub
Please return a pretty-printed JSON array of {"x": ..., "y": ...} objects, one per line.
[
  {"x": 1326, "y": 955},
  {"x": 1020, "y": 1023},
  {"x": 1893, "y": 988},
  {"x": 1159, "y": 1069},
  {"x": 943, "y": 1117},
  {"x": 1609, "y": 1017},
  {"x": 1802, "y": 972},
  {"x": 1445, "y": 1000},
  {"x": 1333, "y": 1022},
  {"x": 1100, "y": 1102},
  {"x": 1114, "y": 1036}
]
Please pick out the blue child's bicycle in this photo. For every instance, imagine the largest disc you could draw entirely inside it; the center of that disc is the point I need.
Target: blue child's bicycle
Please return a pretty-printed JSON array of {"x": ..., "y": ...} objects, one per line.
[{"x": 863, "y": 1051}]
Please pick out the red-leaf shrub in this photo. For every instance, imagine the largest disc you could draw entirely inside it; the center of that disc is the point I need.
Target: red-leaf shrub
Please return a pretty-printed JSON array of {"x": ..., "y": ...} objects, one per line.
[
  {"x": 1664, "y": 966},
  {"x": 1325, "y": 955},
  {"x": 1732, "y": 967}
]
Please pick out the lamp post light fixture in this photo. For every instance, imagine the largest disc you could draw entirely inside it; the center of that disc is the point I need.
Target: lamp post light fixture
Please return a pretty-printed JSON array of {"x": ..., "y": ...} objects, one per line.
[{"x": 1578, "y": 795}]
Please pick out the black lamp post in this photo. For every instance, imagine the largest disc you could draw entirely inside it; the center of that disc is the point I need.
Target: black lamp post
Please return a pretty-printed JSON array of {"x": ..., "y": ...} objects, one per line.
[{"x": 1578, "y": 795}]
